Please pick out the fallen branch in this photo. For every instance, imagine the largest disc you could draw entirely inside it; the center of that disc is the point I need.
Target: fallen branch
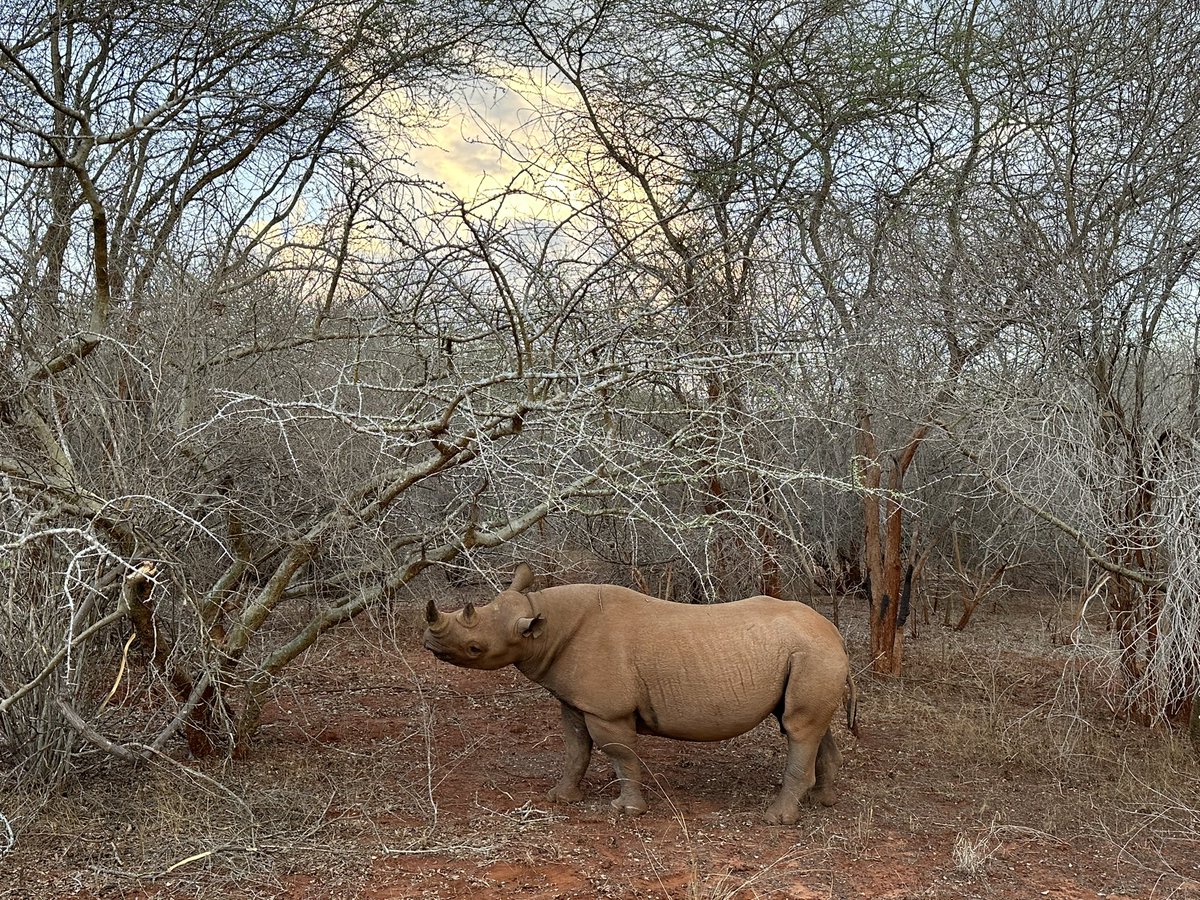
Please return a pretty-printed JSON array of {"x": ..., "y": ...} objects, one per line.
[{"x": 92, "y": 736}]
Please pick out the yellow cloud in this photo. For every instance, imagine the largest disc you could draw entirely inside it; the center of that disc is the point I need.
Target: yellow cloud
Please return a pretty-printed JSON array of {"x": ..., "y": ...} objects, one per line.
[{"x": 496, "y": 146}]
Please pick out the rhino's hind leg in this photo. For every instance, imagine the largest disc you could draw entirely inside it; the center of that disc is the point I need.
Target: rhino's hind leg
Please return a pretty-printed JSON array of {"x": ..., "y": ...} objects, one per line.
[
  {"x": 618, "y": 741},
  {"x": 829, "y": 760},
  {"x": 579, "y": 754},
  {"x": 804, "y": 736}
]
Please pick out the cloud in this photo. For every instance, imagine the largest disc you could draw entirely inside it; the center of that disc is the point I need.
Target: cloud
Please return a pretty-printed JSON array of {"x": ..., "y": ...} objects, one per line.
[{"x": 495, "y": 140}]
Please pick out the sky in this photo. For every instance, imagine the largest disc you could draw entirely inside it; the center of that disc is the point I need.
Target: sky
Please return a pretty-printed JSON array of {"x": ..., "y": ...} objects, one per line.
[{"x": 496, "y": 136}]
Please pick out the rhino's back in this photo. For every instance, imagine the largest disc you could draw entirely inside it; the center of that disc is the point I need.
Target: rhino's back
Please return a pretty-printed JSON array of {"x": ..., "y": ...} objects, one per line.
[{"x": 643, "y": 622}]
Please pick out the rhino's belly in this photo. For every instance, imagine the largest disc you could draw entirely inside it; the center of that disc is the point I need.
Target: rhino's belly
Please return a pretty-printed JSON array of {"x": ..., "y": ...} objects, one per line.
[
  {"x": 709, "y": 695},
  {"x": 700, "y": 721}
]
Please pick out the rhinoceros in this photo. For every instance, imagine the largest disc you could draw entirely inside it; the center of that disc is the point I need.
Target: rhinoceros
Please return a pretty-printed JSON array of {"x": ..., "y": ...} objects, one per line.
[{"x": 620, "y": 663}]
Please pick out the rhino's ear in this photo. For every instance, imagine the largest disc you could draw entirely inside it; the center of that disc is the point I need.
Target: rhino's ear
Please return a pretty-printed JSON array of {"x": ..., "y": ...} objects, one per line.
[
  {"x": 531, "y": 626},
  {"x": 468, "y": 613},
  {"x": 431, "y": 613},
  {"x": 522, "y": 579}
]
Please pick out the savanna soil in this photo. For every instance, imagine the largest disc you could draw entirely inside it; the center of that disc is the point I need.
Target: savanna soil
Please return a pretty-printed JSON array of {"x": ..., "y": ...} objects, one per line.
[{"x": 992, "y": 770}]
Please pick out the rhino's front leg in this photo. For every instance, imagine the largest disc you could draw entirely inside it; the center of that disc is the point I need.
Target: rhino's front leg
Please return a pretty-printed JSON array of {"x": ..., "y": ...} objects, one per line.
[
  {"x": 618, "y": 741},
  {"x": 579, "y": 754}
]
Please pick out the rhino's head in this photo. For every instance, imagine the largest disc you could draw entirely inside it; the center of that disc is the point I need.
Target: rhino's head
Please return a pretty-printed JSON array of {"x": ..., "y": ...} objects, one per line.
[{"x": 488, "y": 637}]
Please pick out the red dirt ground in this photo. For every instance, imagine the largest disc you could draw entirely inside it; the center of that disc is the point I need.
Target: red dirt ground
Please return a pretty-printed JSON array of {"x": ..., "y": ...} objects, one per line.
[{"x": 382, "y": 773}]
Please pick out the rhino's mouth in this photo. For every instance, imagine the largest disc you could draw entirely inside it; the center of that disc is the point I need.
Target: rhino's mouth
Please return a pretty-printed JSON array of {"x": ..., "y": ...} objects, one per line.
[{"x": 436, "y": 649}]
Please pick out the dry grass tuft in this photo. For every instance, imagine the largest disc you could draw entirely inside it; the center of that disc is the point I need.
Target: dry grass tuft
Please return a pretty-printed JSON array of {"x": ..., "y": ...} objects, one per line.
[{"x": 971, "y": 855}]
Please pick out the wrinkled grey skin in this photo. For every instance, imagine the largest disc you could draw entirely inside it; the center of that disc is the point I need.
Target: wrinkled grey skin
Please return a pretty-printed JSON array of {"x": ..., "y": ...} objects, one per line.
[{"x": 621, "y": 662}]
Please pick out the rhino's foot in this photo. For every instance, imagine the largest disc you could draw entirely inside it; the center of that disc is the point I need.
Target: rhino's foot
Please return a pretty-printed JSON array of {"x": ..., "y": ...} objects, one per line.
[
  {"x": 825, "y": 796},
  {"x": 782, "y": 814},
  {"x": 565, "y": 793},
  {"x": 629, "y": 806}
]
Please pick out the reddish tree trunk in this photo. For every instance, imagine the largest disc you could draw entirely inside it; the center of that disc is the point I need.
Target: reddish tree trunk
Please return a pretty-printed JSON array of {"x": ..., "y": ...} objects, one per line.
[
  {"x": 884, "y": 546},
  {"x": 768, "y": 542}
]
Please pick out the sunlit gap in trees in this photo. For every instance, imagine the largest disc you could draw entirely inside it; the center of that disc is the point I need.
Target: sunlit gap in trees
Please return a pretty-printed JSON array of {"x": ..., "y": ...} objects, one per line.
[
  {"x": 490, "y": 156},
  {"x": 494, "y": 150}
]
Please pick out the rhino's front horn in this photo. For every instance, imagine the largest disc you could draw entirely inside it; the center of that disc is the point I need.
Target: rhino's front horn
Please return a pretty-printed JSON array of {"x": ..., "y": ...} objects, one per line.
[{"x": 432, "y": 615}]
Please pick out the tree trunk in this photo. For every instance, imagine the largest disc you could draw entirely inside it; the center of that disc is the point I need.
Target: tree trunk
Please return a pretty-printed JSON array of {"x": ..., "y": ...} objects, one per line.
[
  {"x": 884, "y": 546},
  {"x": 198, "y": 725},
  {"x": 771, "y": 584},
  {"x": 887, "y": 621},
  {"x": 882, "y": 617}
]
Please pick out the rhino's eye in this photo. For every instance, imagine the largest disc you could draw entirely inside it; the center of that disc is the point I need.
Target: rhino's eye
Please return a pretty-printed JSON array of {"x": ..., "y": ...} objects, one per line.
[{"x": 474, "y": 649}]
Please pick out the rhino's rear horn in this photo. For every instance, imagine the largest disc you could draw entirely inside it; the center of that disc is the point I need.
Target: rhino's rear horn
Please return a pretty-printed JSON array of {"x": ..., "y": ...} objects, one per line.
[{"x": 522, "y": 579}]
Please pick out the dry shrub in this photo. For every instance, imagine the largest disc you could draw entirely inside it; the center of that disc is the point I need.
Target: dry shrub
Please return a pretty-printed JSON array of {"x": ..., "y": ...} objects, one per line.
[{"x": 1034, "y": 721}]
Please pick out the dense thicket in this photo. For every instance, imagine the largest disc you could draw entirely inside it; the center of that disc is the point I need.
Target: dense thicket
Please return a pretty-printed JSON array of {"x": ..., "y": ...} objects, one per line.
[{"x": 818, "y": 289}]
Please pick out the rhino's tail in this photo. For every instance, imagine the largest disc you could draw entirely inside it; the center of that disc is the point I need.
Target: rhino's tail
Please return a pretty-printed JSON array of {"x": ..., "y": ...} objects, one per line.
[{"x": 852, "y": 705}]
